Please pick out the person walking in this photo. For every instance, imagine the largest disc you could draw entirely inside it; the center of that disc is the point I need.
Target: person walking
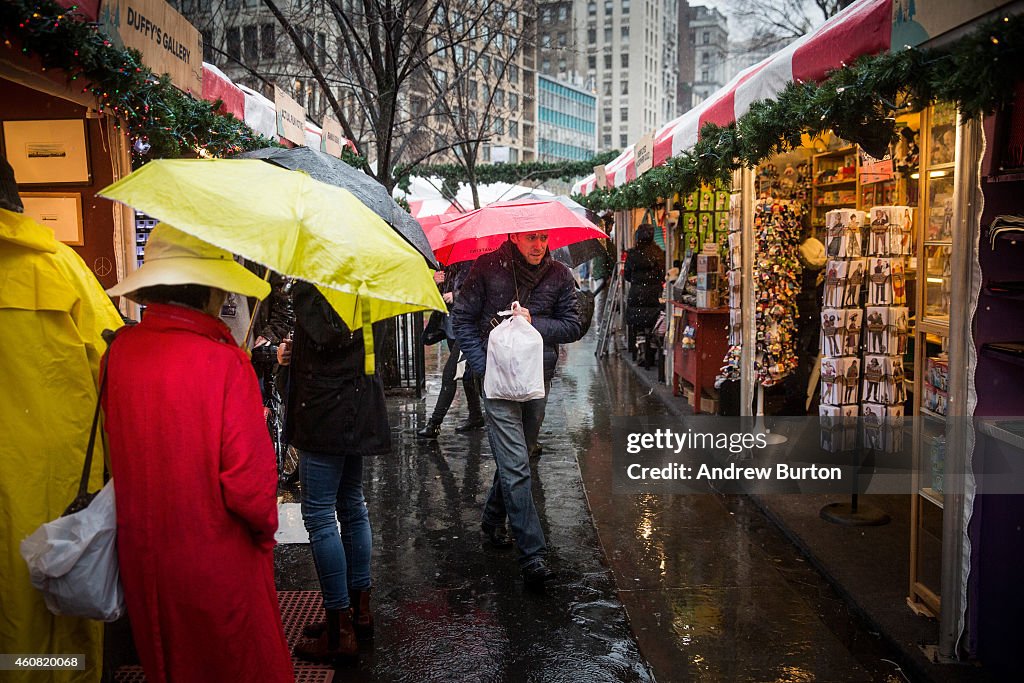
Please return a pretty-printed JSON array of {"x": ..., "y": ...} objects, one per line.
[
  {"x": 451, "y": 280},
  {"x": 194, "y": 473},
  {"x": 522, "y": 270},
  {"x": 644, "y": 270},
  {"x": 335, "y": 415},
  {"x": 52, "y": 313}
]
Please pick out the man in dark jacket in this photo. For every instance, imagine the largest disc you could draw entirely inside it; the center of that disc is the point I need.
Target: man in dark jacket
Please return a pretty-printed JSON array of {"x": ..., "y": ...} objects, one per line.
[{"x": 520, "y": 270}]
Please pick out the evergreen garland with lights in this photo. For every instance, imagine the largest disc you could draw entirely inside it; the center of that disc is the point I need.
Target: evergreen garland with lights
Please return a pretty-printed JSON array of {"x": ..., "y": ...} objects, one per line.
[
  {"x": 160, "y": 120},
  {"x": 858, "y": 102}
]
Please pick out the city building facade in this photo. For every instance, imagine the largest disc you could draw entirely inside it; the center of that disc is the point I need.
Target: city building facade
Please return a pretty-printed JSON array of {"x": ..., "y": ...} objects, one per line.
[
  {"x": 708, "y": 36},
  {"x": 566, "y": 121}
]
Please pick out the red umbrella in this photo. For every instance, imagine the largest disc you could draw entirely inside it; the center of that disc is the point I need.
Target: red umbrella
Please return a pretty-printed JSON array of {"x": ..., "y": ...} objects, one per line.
[{"x": 479, "y": 232}]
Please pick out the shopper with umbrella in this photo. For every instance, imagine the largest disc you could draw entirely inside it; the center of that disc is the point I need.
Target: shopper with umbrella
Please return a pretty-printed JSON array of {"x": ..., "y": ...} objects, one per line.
[
  {"x": 519, "y": 269},
  {"x": 355, "y": 270}
]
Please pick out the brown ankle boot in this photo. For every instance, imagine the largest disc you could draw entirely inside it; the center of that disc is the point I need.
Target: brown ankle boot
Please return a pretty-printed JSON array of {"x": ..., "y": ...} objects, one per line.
[
  {"x": 362, "y": 619},
  {"x": 336, "y": 643}
]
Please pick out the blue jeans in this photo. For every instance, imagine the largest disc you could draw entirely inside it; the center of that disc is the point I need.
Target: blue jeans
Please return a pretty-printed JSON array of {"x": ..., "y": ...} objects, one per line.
[
  {"x": 511, "y": 425},
  {"x": 333, "y": 492}
]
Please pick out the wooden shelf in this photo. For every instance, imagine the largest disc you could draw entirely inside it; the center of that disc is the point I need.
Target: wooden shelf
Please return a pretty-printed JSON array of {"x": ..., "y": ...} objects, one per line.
[
  {"x": 931, "y": 495},
  {"x": 932, "y": 414},
  {"x": 835, "y": 153},
  {"x": 839, "y": 205},
  {"x": 837, "y": 183}
]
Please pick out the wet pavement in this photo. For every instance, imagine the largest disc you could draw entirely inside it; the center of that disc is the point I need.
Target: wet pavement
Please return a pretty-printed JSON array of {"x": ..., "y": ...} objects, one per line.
[
  {"x": 448, "y": 609},
  {"x": 666, "y": 588}
]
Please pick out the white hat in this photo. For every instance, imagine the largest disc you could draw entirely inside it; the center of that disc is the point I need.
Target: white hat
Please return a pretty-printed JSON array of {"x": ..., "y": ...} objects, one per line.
[
  {"x": 177, "y": 258},
  {"x": 812, "y": 253}
]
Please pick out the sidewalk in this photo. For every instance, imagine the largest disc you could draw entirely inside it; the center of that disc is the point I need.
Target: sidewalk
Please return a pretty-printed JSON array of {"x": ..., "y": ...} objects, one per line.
[{"x": 862, "y": 570}]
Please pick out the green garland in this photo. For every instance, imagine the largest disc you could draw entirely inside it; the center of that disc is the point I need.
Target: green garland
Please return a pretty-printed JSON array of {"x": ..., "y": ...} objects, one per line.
[
  {"x": 453, "y": 174},
  {"x": 858, "y": 102},
  {"x": 160, "y": 120}
]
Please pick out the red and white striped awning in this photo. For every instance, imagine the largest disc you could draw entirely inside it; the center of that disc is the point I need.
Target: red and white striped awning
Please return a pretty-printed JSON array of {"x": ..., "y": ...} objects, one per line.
[
  {"x": 257, "y": 111},
  {"x": 862, "y": 28}
]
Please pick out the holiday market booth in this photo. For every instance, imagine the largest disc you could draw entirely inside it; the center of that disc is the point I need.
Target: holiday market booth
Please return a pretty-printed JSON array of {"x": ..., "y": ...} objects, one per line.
[
  {"x": 85, "y": 95},
  {"x": 855, "y": 200}
]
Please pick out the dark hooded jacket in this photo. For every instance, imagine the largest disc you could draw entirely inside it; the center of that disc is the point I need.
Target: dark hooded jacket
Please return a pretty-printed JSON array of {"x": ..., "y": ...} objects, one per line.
[
  {"x": 645, "y": 272},
  {"x": 333, "y": 406},
  {"x": 491, "y": 287}
]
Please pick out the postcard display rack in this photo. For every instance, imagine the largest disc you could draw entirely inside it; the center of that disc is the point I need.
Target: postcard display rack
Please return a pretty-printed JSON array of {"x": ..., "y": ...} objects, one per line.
[{"x": 863, "y": 344}]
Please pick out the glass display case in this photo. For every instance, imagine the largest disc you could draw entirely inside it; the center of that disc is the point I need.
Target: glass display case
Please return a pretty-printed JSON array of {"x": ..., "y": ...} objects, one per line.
[{"x": 937, "y": 259}]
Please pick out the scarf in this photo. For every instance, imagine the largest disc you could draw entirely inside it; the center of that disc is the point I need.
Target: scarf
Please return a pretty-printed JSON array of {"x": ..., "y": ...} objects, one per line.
[{"x": 526, "y": 276}]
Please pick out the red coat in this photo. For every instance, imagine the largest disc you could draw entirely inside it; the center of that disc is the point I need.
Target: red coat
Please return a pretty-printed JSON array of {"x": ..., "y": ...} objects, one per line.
[{"x": 195, "y": 480}]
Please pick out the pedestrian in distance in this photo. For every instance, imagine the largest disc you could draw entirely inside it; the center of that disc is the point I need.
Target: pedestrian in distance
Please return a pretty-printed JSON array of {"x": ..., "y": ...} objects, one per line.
[
  {"x": 644, "y": 270},
  {"x": 52, "y": 313},
  {"x": 336, "y": 415},
  {"x": 194, "y": 473},
  {"x": 522, "y": 270},
  {"x": 451, "y": 279}
]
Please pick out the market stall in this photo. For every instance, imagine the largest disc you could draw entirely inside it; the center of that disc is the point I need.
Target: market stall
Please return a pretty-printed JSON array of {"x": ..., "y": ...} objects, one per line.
[{"x": 852, "y": 138}]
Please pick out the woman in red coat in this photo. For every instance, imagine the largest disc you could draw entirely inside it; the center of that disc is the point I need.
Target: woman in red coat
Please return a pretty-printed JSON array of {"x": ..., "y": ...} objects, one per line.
[{"x": 194, "y": 474}]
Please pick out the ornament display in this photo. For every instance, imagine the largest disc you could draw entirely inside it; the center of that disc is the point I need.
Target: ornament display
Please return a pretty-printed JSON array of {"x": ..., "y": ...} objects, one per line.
[{"x": 777, "y": 273}]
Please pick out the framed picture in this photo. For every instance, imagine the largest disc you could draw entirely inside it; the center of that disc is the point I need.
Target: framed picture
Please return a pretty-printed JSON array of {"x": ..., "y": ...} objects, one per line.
[
  {"x": 48, "y": 152},
  {"x": 59, "y": 211}
]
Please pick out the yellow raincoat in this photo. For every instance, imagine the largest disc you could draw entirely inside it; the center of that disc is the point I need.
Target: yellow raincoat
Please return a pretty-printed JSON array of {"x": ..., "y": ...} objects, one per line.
[{"x": 52, "y": 311}]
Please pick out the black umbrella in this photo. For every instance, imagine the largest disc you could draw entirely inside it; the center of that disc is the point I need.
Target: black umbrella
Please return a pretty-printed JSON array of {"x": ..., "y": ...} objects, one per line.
[
  {"x": 333, "y": 171},
  {"x": 580, "y": 252}
]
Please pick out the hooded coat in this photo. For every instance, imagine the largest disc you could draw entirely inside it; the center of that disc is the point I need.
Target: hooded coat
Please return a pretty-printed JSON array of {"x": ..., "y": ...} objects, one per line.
[
  {"x": 196, "y": 483},
  {"x": 52, "y": 312},
  {"x": 645, "y": 272},
  {"x": 491, "y": 287}
]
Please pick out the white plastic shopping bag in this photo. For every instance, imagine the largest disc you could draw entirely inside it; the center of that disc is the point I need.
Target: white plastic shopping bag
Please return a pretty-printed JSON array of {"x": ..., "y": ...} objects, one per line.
[
  {"x": 73, "y": 561},
  {"x": 515, "y": 361}
]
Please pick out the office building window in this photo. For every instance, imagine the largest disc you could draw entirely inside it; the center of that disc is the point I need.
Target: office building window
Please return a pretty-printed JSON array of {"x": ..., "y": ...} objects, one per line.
[
  {"x": 625, "y": 60},
  {"x": 607, "y": 61},
  {"x": 607, "y": 34},
  {"x": 267, "y": 43},
  {"x": 592, "y": 61},
  {"x": 625, "y": 31},
  {"x": 705, "y": 37},
  {"x": 625, "y": 6},
  {"x": 513, "y": 73},
  {"x": 591, "y": 35},
  {"x": 704, "y": 75},
  {"x": 625, "y": 87},
  {"x": 561, "y": 39},
  {"x": 513, "y": 101},
  {"x": 233, "y": 38},
  {"x": 592, "y": 8},
  {"x": 624, "y": 113},
  {"x": 607, "y": 140},
  {"x": 250, "y": 43},
  {"x": 623, "y": 140},
  {"x": 607, "y": 88},
  {"x": 563, "y": 12},
  {"x": 607, "y": 115},
  {"x": 545, "y": 40}
]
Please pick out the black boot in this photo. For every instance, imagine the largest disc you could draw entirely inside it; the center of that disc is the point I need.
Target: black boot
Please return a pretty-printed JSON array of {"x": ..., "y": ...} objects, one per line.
[
  {"x": 536, "y": 574},
  {"x": 496, "y": 536},
  {"x": 430, "y": 431},
  {"x": 472, "y": 424}
]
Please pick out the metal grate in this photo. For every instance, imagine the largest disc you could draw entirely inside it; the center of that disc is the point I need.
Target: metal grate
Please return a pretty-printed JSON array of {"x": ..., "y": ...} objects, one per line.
[{"x": 298, "y": 608}]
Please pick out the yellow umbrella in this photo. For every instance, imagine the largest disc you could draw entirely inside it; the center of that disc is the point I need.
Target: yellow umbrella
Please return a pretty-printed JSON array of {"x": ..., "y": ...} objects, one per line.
[{"x": 294, "y": 225}]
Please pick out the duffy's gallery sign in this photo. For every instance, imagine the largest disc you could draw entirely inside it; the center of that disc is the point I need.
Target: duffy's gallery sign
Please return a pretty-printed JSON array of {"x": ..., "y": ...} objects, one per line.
[{"x": 168, "y": 42}]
